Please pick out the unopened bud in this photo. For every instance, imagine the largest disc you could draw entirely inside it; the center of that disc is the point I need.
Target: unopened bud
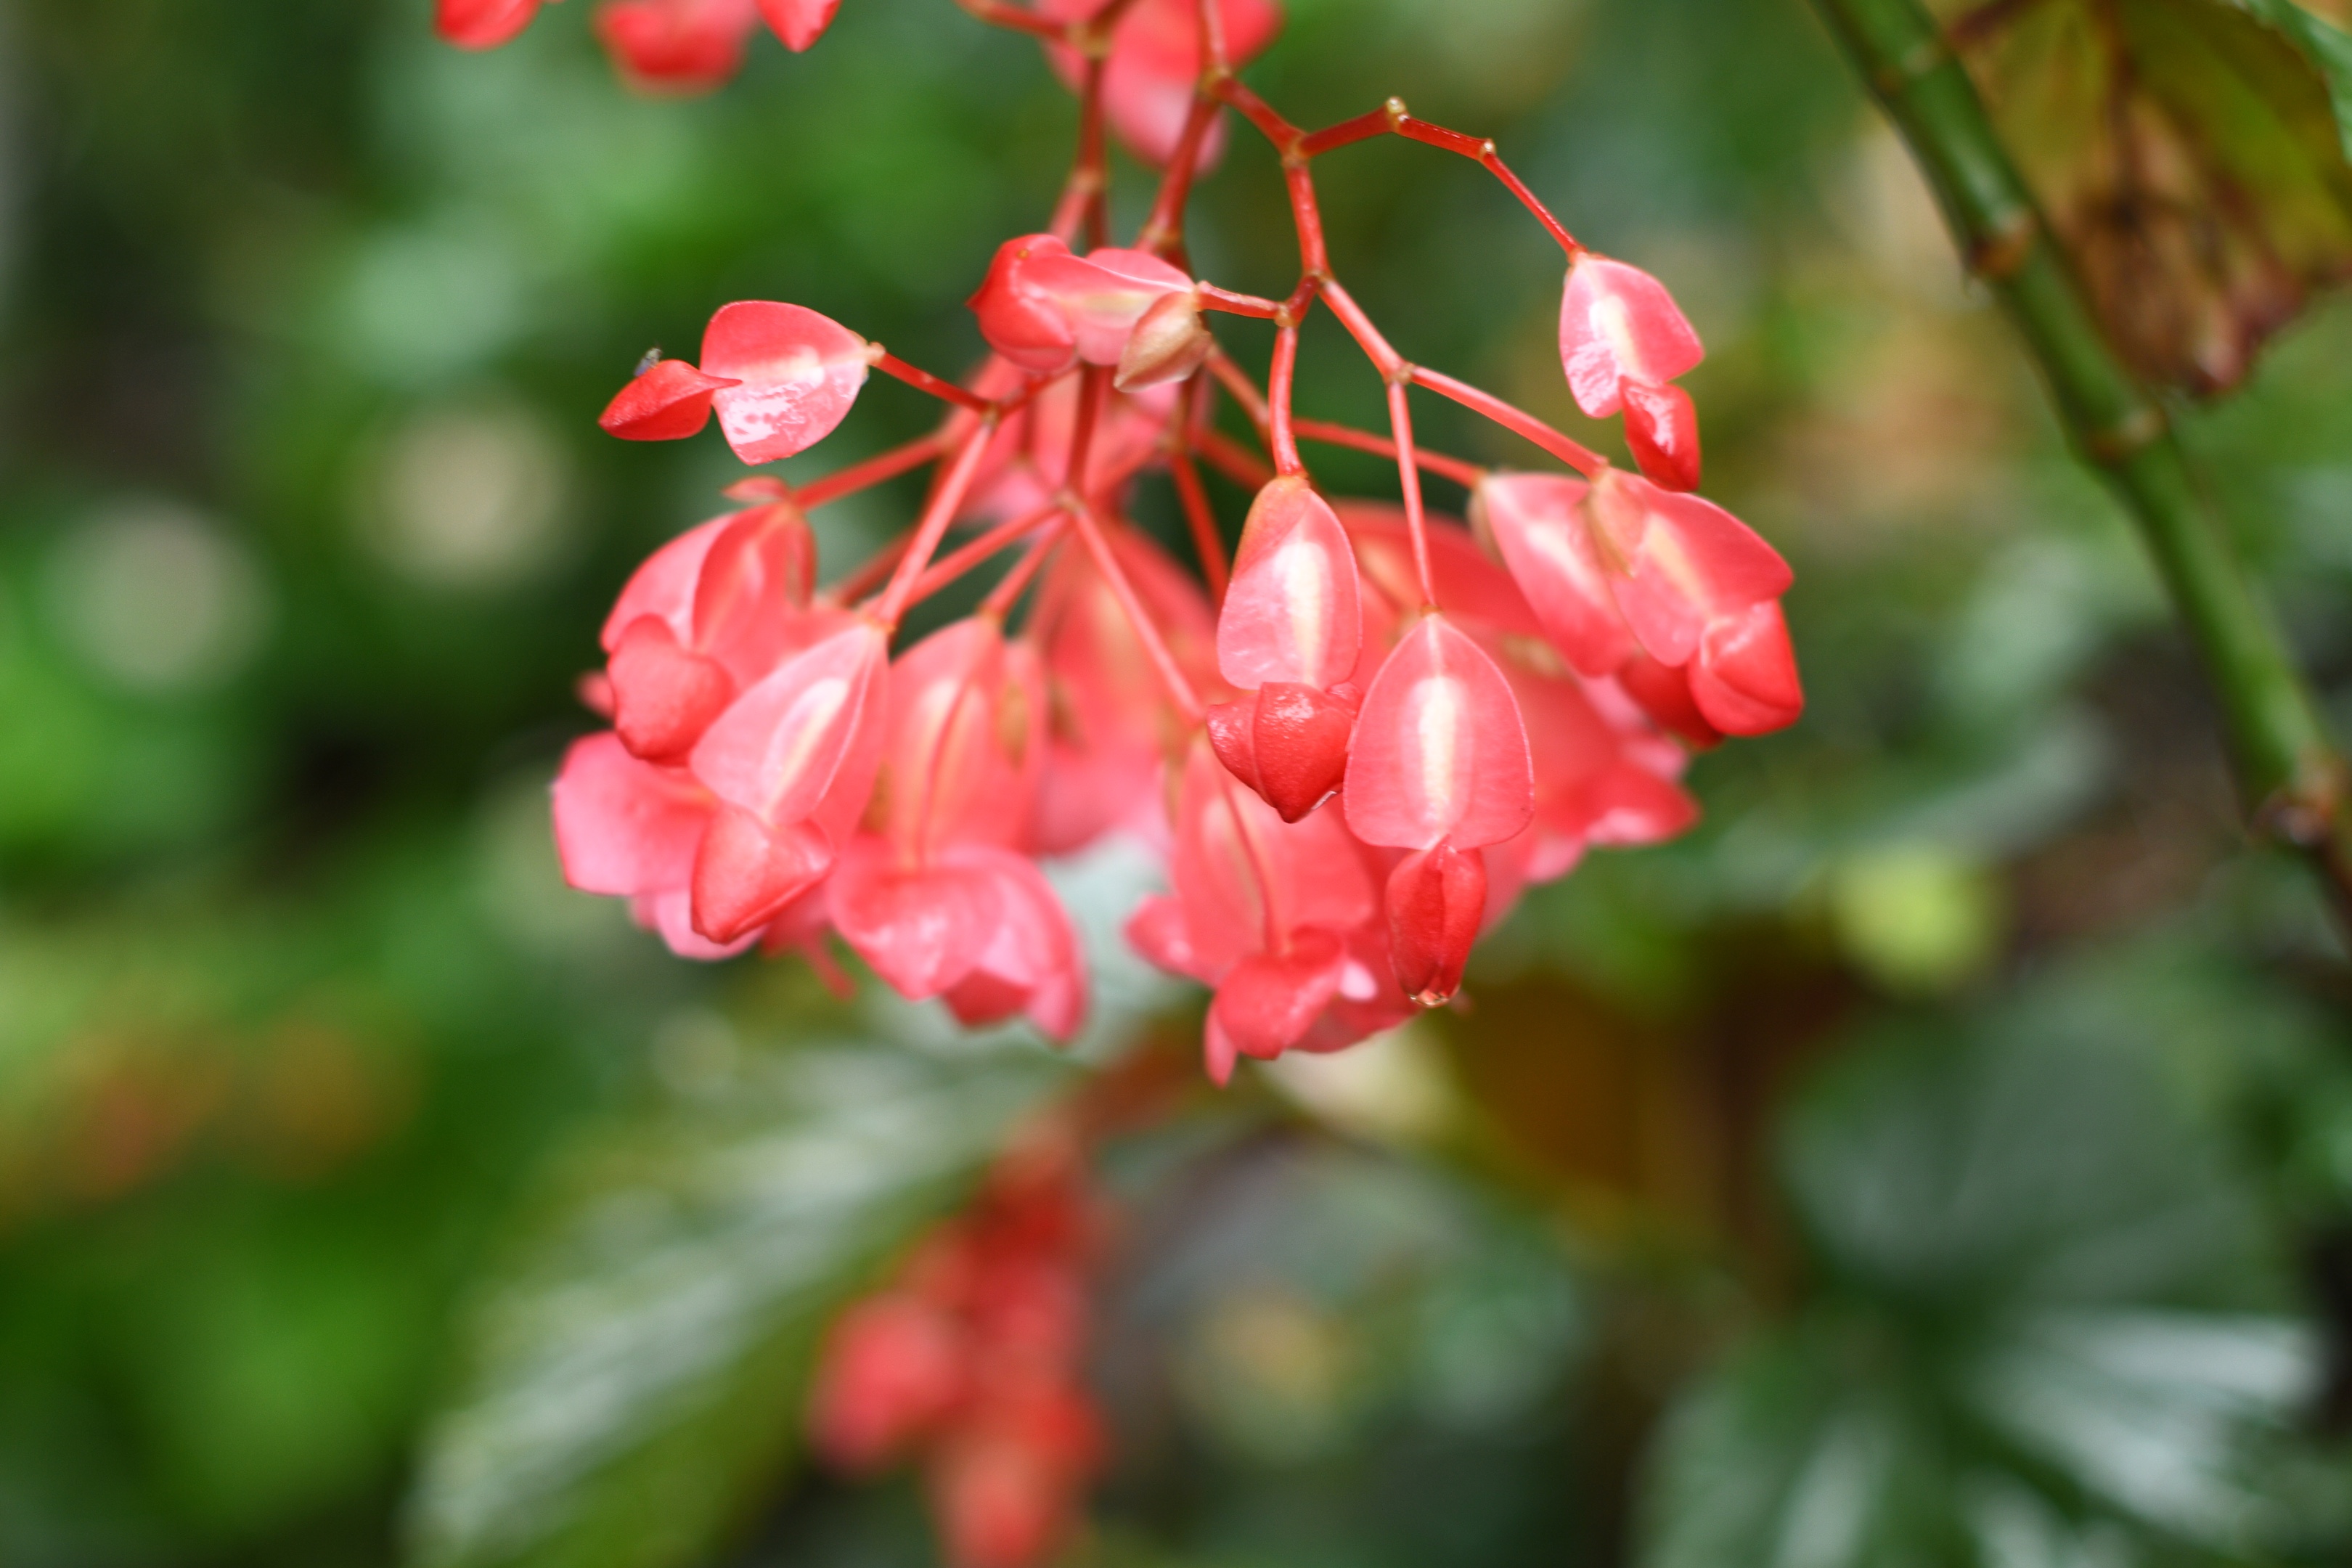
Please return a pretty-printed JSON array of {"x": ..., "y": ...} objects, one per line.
[{"x": 1169, "y": 343}]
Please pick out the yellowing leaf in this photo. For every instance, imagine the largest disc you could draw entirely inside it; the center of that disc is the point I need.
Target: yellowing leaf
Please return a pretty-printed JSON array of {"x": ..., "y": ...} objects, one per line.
[{"x": 2190, "y": 160}]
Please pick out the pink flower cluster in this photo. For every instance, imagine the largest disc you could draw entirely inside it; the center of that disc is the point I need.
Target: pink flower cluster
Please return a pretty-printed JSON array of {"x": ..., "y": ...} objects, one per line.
[
  {"x": 970, "y": 1364},
  {"x": 1150, "y": 58},
  {"x": 1356, "y": 743}
]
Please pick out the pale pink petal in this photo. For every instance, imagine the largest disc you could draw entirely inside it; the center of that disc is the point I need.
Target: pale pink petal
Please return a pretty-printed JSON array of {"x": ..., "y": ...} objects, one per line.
[
  {"x": 1440, "y": 751},
  {"x": 623, "y": 827},
  {"x": 798, "y": 372}
]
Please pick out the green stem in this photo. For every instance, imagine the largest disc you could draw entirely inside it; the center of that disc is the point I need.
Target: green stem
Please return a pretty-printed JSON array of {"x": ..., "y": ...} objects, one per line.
[{"x": 2292, "y": 778}]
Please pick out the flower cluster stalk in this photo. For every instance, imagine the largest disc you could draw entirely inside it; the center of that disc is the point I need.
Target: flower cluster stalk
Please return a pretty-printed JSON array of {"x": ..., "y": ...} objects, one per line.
[{"x": 2292, "y": 778}]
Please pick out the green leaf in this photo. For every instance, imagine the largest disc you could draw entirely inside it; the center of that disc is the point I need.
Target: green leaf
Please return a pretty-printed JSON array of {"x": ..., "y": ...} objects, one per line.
[
  {"x": 638, "y": 1367},
  {"x": 2044, "y": 1326},
  {"x": 2323, "y": 43},
  {"x": 2189, "y": 158}
]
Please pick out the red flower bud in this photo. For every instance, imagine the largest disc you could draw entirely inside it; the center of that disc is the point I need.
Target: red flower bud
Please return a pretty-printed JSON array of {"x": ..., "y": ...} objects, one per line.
[
  {"x": 1662, "y": 428},
  {"x": 482, "y": 24},
  {"x": 670, "y": 401},
  {"x": 1617, "y": 323}
]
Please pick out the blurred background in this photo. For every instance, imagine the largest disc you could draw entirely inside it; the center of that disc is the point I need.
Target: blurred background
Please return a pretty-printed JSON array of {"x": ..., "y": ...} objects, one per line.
[{"x": 1943, "y": 1156}]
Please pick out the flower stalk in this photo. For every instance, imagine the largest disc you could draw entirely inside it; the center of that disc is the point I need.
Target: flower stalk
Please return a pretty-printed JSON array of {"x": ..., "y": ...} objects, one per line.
[{"x": 2294, "y": 780}]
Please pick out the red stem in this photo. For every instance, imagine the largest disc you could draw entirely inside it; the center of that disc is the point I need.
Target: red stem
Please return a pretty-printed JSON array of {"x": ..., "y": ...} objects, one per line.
[
  {"x": 1083, "y": 202},
  {"x": 873, "y": 471},
  {"x": 921, "y": 379},
  {"x": 973, "y": 550},
  {"x": 997, "y": 13},
  {"x": 934, "y": 525},
  {"x": 1231, "y": 459},
  {"x": 1155, "y": 647},
  {"x": 1463, "y": 473},
  {"x": 1416, "y": 523},
  {"x": 1212, "y": 297},
  {"x": 1245, "y": 390},
  {"x": 1009, "y": 587},
  {"x": 1199, "y": 516},
  {"x": 1577, "y": 455},
  {"x": 1163, "y": 231}
]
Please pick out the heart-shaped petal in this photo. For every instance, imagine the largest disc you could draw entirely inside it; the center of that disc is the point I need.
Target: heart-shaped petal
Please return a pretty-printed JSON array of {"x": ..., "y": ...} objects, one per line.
[{"x": 797, "y": 373}]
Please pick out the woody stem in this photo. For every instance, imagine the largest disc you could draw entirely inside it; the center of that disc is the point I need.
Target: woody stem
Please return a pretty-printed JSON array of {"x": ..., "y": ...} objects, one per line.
[{"x": 2292, "y": 778}]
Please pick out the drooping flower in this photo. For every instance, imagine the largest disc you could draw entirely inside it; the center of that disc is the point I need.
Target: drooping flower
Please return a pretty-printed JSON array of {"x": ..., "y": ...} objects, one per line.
[
  {"x": 711, "y": 612},
  {"x": 1279, "y": 917},
  {"x": 1288, "y": 636},
  {"x": 1439, "y": 767},
  {"x": 792, "y": 761},
  {"x": 677, "y": 45},
  {"x": 1045, "y": 309},
  {"x": 482, "y": 24},
  {"x": 1622, "y": 340},
  {"x": 1155, "y": 63}
]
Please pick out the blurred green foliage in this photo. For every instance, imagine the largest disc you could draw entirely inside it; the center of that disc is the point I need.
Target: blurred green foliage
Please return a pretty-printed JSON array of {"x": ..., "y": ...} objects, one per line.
[{"x": 1943, "y": 1156}]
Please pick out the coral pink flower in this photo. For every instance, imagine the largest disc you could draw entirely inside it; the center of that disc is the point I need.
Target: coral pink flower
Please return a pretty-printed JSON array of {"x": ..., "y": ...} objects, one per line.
[
  {"x": 970, "y": 1363},
  {"x": 795, "y": 374},
  {"x": 676, "y": 46},
  {"x": 1289, "y": 635},
  {"x": 791, "y": 762},
  {"x": 1536, "y": 524},
  {"x": 1440, "y": 765},
  {"x": 1029, "y": 461},
  {"x": 710, "y": 612},
  {"x": 669, "y": 401},
  {"x": 1155, "y": 61},
  {"x": 1617, "y": 323},
  {"x": 1662, "y": 429},
  {"x": 1677, "y": 562},
  {"x": 1110, "y": 727},
  {"x": 1045, "y": 309},
  {"x": 1274, "y": 915},
  {"x": 977, "y": 925},
  {"x": 482, "y": 24},
  {"x": 893, "y": 1369},
  {"x": 799, "y": 23}
]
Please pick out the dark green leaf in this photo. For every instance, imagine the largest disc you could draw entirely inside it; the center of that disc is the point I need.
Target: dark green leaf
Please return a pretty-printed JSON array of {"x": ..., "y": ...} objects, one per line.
[
  {"x": 638, "y": 1369},
  {"x": 2041, "y": 1320}
]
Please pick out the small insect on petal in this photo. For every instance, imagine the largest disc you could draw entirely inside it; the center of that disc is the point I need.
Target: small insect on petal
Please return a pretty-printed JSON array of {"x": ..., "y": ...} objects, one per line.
[
  {"x": 1617, "y": 323},
  {"x": 482, "y": 24},
  {"x": 1662, "y": 428},
  {"x": 1536, "y": 524},
  {"x": 1440, "y": 751},
  {"x": 1745, "y": 676},
  {"x": 668, "y": 402},
  {"x": 799, "y": 23},
  {"x": 1293, "y": 612},
  {"x": 1677, "y": 562},
  {"x": 675, "y": 46},
  {"x": 797, "y": 373}
]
